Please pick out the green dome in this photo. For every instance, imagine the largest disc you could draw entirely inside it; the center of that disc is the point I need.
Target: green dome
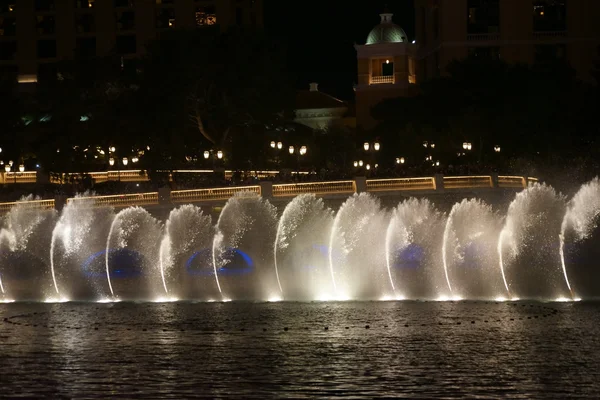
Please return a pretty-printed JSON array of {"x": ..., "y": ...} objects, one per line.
[{"x": 386, "y": 32}]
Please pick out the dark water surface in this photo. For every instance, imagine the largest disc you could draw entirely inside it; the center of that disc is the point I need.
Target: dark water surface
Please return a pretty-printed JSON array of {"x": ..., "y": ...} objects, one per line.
[{"x": 243, "y": 350}]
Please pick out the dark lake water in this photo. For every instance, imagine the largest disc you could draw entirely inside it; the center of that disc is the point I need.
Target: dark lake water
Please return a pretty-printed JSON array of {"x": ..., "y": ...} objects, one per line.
[{"x": 300, "y": 350}]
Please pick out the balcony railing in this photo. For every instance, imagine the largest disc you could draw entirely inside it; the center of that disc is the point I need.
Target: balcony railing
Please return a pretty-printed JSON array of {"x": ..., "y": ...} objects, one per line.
[
  {"x": 382, "y": 79},
  {"x": 482, "y": 37},
  {"x": 190, "y": 196},
  {"x": 549, "y": 34},
  {"x": 380, "y": 185},
  {"x": 511, "y": 182},
  {"x": 120, "y": 200},
  {"x": 19, "y": 177},
  {"x": 467, "y": 182},
  {"x": 294, "y": 189},
  {"x": 28, "y": 205}
]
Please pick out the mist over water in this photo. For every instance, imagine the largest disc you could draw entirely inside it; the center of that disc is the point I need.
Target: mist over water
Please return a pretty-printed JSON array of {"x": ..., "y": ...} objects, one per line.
[{"x": 540, "y": 246}]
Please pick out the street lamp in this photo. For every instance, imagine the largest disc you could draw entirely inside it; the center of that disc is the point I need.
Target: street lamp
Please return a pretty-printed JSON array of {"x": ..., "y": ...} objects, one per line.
[
  {"x": 7, "y": 168},
  {"x": 400, "y": 160},
  {"x": 355, "y": 164},
  {"x": 497, "y": 149},
  {"x": 279, "y": 145},
  {"x": 470, "y": 146},
  {"x": 360, "y": 163},
  {"x": 425, "y": 144},
  {"x": 134, "y": 159},
  {"x": 368, "y": 167},
  {"x": 465, "y": 145},
  {"x": 432, "y": 145},
  {"x": 206, "y": 155},
  {"x": 21, "y": 168},
  {"x": 219, "y": 154},
  {"x": 291, "y": 149},
  {"x": 125, "y": 161},
  {"x": 272, "y": 144},
  {"x": 366, "y": 146},
  {"x": 303, "y": 150},
  {"x": 376, "y": 146},
  {"x": 111, "y": 161}
]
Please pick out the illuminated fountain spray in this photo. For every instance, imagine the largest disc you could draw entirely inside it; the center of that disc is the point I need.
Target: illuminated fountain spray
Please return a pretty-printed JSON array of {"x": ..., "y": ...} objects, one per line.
[
  {"x": 300, "y": 252},
  {"x": 356, "y": 249},
  {"x": 581, "y": 218},
  {"x": 528, "y": 248},
  {"x": 80, "y": 233},
  {"x": 22, "y": 238},
  {"x": 243, "y": 247},
  {"x": 136, "y": 232},
  {"x": 469, "y": 251},
  {"x": 412, "y": 249},
  {"x": 187, "y": 231}
]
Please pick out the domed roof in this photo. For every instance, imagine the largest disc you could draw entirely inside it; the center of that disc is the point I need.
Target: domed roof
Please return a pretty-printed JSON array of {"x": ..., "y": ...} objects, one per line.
[{"x": 386, "y": 31}]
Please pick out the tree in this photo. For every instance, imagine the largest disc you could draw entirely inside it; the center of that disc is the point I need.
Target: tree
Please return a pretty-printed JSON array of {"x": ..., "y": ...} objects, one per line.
[{"x": 211, "y": 90}]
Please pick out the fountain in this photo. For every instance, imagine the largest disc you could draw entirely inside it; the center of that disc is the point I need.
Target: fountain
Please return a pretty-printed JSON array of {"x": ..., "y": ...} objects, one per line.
[
  {"x": 23, "y": 238},
  {"x": 132, "y": 255},
  {"x": 301, "y": 249},
  {"x": 413, "y": 251},
  {"x": 356, "y": 249},
  {"x": 543, "y": 248},
  {"x": 528, "y": 246},
  {"x": 187, "y": 239},
  {"x": 242, "y": 247},
  {"x": 468, "y": 252},
  {"x": 578, "y": 227}
]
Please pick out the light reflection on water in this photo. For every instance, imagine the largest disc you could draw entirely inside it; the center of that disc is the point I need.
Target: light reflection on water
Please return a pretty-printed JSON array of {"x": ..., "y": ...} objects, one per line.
[{"x": 242, "y": 350}]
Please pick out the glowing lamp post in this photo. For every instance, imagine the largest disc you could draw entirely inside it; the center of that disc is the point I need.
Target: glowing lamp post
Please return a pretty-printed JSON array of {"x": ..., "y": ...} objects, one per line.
[
  {"x": 21, "y": 168},
  {"x": 291, "y": 149},
  {"x": 206, "y": 155},
  {"x": 366, "y": 146},
  {"x": 497, "y": 149},
  {"x": 355, "y": 164},
  {"x": 376, "y": 146},
  {"x": 111, "y": 161},
  {"x": 220, "y": 155},
  {"x": 279, "y": 145},
  {"x": 273, "y": 145}
]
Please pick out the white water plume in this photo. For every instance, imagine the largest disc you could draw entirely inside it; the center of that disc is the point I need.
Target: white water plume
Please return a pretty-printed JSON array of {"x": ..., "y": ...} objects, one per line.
[{"x": 300, "y": 250}]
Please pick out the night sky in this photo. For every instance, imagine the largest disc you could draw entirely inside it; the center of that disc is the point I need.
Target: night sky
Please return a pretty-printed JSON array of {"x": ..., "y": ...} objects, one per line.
[{"x": 320, "y": 36}]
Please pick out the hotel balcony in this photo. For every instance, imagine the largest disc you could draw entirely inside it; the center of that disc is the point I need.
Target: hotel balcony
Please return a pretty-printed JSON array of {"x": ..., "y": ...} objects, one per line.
[{"x": 375, "y": 80}]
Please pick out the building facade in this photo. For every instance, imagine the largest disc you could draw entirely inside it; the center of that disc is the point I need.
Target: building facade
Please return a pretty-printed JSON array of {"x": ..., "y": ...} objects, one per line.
[
  {"x": 34, "y": 34},
  {"x": 320, "y": 111},
  {"x": 386, "y": 68},
  {"x": 516, "y": 31}
]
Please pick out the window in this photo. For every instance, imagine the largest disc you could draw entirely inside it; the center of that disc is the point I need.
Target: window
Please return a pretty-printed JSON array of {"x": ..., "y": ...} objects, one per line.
[
  {"x": 549, "y": 53},
  {"x": 387, "y": 68},
  {"x": 44, "y": 5},
  {"x": 126, "y": 44},
  {"x": 206, "y": 15},
  {"x": 239, "y": 16},
  {"x": 165, "y": 18},
  {"x": 47, "y": 72},
  {"x": 46, "y": 48},
  {"x": 483, "y": 16},
  {"x": 436, "y": 23},
  {"x": 85, "y": 48},
  {"x": 84, "y": 4},
  {"x": 45, "y": 24},
  {"x": 125, "y": 20},
  {"x": 8, "y": 26},
  {"x": 549, "y": 15},
  {"x": 124, "y": 3},
  {"x": 490, "y": 53},
  {"x": 7, "y": 6},
  {"x": 8, "y": 50},
  {"x": 85, "y": 23}
]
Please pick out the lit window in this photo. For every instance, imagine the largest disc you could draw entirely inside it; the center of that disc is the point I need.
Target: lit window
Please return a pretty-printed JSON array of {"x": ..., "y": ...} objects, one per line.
[{"x": 206, "y": 16}]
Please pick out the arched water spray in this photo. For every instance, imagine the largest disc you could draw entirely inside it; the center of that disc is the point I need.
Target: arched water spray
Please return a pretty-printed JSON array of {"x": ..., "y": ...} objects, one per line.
[
  {"x": 302, "y": 234},
  {"x": 413, "y": 255},
  {"x": 531, "y": 230},
  {"x": 187, "y": 230},
  {"x": 25, "y": 232},
  {"x": 469, "y": 250},
  {"x": 245, "y": 233},
  {"x": 135, "y": 230},
  {"x": 582, "y": 217},
  {"x": 356, "y": 249},
  {"x": 79, "y": 233}
]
